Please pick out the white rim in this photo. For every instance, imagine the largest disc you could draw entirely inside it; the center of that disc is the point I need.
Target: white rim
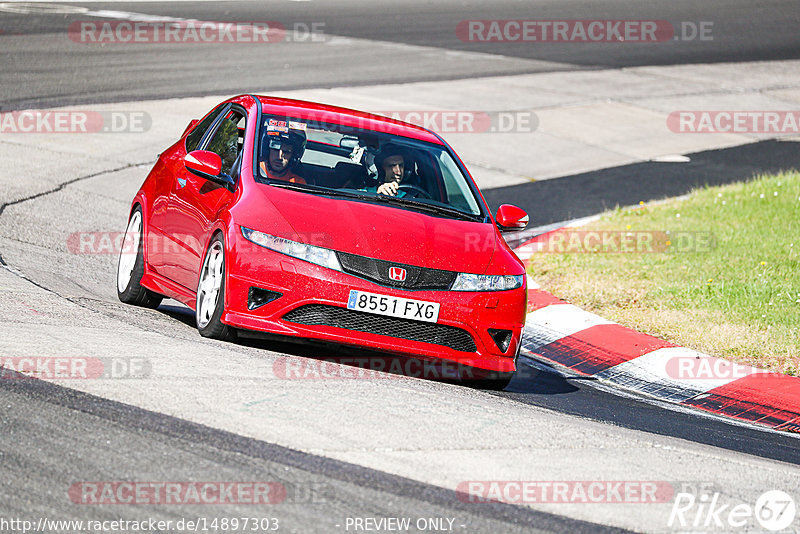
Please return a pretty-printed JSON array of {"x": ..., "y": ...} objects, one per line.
[
  {"x": 129, "y": 252},
  {"x": 211, "y": 280}
]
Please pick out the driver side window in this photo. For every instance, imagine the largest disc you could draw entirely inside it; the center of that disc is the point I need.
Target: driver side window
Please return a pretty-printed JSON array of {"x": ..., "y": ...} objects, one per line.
[
  {"x": 197, "y": 133},
  {"x": 227, "y": 141}
]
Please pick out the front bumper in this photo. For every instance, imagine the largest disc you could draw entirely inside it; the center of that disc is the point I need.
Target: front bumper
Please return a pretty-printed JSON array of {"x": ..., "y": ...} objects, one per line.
[{"x": 314, "y": 294}]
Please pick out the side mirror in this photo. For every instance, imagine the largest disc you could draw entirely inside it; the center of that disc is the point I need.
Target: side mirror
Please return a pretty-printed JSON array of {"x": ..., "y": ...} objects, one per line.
[
  {"x": 190, "y": 126},
  {"x": 207, "y": 165},
  {"x": 511, "y": 218}
]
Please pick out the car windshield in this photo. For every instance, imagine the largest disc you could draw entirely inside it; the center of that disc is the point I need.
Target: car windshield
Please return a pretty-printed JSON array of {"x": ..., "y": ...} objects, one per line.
[{"x": 332, "y": 159}]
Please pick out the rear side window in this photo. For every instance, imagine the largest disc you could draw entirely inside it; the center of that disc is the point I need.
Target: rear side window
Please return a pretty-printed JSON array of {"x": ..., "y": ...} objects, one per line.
[{"x": 196, "y": 135}]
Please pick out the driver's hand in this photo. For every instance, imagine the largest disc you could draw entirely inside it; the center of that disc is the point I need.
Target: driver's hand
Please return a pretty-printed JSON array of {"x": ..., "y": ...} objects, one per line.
[{"x": 389, "y": 188}]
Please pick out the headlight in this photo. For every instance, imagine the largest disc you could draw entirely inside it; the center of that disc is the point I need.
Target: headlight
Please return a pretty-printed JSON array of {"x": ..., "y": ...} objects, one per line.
[
  {"x": 486, "y": 282},
  {"x": 316, "y": 255}
]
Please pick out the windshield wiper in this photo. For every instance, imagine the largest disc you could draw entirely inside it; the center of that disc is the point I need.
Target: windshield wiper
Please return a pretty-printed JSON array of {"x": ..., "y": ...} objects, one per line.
[
  {"x": 317, "y": 190},
  {"x": 433, "y": 209}
]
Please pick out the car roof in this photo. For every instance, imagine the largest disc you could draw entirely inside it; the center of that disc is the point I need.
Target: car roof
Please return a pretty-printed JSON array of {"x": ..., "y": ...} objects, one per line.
[{"x": 301, "y": 109}]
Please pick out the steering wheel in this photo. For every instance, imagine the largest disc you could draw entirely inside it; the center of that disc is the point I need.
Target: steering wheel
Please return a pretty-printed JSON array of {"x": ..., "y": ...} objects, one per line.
[{"x": 413, "y": 191}]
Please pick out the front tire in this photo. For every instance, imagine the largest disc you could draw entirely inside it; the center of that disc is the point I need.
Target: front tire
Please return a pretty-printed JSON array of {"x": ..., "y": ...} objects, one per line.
[
  {"x": 497, "y": 382},
  {"x": 486, "y": 379},
  {"x": 211, "y": 293},
  {"x": 130, "y": 266}
]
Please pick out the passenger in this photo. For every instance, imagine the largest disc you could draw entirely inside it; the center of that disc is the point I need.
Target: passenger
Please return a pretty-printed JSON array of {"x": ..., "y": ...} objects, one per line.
[{"x": 285, "y": 151}]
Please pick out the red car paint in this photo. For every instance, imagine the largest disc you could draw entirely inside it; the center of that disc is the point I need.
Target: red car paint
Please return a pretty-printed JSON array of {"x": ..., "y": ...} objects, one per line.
[{"x": 182, "y": 212}]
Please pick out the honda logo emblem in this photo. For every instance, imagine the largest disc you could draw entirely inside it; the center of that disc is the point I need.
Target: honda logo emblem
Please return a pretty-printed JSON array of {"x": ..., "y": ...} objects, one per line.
[{"x": 397, "y": 274}]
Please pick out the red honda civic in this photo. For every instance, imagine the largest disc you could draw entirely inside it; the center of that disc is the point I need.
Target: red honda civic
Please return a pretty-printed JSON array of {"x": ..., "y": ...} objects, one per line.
[{"x": 323, "y": 223}]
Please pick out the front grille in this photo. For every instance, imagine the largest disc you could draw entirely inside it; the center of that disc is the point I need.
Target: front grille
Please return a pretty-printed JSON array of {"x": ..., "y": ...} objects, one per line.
[
  {"x": 378, "y": 271},
  {"x": 321, "y": 314}
]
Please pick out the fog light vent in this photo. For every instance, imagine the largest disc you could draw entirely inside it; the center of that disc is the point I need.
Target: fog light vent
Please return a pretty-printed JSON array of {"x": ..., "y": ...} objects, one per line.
[
  {"x": 502, "y": 338},
  {"x": 257, "y": 297}
]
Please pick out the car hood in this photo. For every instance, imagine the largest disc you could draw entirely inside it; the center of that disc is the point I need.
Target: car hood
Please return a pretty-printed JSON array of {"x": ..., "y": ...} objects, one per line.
[{"x": 386, "y": 232}]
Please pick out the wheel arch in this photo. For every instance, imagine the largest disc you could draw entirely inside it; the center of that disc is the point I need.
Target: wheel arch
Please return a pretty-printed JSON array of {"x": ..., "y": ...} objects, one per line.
[
  {"x": 138, "y": 202},
  {"x": 223, "y": 230},
  {"x": 216, "y": 327}
]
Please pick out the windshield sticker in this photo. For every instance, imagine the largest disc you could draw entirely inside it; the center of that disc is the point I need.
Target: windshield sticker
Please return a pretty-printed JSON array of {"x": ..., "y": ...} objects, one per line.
[
  {"x": 275, "y": 125},
  {"x": 297, "y": 125}
]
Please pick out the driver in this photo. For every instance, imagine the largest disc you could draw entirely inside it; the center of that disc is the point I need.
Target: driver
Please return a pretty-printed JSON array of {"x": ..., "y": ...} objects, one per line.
[
  {"x": 391, "y": 163},
  {"x": 393, "y": 169},
  {"x": 285, "y": 150}
]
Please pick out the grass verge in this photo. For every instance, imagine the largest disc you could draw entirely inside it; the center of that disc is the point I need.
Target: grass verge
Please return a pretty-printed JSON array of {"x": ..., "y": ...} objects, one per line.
[{"x": 716, "y": 271}]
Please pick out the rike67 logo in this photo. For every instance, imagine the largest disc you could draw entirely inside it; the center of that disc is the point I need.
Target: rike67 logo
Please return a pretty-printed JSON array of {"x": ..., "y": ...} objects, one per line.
[{"x": 774, "y": 510}]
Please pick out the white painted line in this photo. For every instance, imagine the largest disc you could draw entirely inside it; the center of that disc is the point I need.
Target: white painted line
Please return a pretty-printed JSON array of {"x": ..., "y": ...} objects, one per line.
[
  {"x": 672, "y": 158},
  {"x": 34, "y": 8},
  {"x": 34, "y": 5},
  {"x": 551, "y": 323}
]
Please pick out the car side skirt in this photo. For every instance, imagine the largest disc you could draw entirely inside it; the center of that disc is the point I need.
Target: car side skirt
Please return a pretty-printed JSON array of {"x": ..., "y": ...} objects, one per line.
[{"x": 168, "y": 288}]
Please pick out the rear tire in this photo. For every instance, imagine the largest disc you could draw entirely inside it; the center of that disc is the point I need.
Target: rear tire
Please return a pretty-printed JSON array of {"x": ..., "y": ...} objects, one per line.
[
  {"x": 211, "y": 294},
  {"x": 130, "y": 266}
]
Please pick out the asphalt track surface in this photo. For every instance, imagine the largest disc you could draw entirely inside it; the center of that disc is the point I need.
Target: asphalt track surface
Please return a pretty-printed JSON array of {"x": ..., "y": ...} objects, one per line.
[
  {"x": 320, "y": 492},
  {"x": 582, "y": 195},
  {"x": 52, "y": 434},
  {"x": 580, "y": 396}
]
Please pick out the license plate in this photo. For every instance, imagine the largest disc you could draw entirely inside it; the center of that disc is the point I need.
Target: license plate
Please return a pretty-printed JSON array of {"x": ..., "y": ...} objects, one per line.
[{"x": 418, "y": 310}]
